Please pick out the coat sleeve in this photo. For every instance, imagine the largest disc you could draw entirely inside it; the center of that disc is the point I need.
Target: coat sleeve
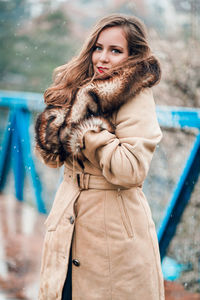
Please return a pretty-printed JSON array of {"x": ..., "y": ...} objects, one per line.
[{"x": 124, "y": 157}]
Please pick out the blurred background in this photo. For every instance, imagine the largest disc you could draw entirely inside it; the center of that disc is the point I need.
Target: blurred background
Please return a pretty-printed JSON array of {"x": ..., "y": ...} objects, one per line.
[{"x": 38, "y": 35}]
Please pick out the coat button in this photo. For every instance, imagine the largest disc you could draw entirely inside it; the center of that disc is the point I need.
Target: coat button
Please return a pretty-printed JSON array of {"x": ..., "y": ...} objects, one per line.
[
  {"x": 71, "y": 220},
  {"x": 76, "y": 262}
]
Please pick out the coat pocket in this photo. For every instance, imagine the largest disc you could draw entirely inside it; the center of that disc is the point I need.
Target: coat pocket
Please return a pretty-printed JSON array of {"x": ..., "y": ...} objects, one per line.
[{"x": 124, "y": 215}]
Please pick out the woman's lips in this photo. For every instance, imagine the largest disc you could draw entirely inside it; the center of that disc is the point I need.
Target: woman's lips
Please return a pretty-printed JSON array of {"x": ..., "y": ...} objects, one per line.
[{"x": 101, "y": 69}]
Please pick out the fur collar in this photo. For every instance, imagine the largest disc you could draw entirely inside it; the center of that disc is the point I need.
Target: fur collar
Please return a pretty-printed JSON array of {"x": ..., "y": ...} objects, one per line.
[
  {"x": 60, "y": 130},
  {"x": 106, "y": 95}
]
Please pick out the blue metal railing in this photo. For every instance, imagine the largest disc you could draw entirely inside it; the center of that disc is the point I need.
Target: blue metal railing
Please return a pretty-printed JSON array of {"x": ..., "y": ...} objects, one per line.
[
  {"x": 16, "y": 145},
  {"x": 182, "y": 118}
]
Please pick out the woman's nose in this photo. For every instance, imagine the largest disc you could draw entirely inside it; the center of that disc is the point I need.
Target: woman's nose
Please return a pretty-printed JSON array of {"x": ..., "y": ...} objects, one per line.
[{"x": 104, "y": 56}]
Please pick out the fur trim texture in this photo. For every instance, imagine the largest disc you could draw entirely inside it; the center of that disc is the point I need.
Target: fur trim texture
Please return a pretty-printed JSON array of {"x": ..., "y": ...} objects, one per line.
[
  {"x": 104, "y": 96},
  {"x": 47, "y": 129},
  {"x": 76, "y": 140}
]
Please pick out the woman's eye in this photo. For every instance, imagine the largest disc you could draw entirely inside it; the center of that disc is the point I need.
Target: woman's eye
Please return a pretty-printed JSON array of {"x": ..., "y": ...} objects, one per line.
[
  {"x": 97, "y": 48},
  {"x": 116, "y": 51}
]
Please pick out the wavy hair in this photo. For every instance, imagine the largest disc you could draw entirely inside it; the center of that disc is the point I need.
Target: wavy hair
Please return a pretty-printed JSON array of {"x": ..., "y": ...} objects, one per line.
[{"x": 67, "y": 78}]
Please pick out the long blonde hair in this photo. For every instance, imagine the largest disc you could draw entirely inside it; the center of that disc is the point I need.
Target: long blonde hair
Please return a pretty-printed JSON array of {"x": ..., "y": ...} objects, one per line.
[{"x": 67, "y": 78}]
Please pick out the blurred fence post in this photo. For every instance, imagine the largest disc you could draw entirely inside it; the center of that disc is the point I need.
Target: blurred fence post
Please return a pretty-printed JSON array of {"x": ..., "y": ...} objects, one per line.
[
  {"x": 16, "y": 147},
  {"x": 180, "y": 198},
  {"x": 179, "y": 117}
]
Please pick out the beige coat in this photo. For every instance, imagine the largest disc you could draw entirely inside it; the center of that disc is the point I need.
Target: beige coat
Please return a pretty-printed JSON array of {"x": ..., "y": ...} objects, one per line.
[{"x": 105, "y": 215}]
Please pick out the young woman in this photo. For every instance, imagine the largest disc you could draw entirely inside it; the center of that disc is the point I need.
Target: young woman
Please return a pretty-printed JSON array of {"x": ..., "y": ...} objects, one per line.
[{"x": 100, "y": 122}]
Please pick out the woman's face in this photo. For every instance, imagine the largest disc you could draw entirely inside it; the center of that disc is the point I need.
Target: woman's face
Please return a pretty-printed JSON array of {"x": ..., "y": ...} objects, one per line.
[{"x": 111, "y": 49}]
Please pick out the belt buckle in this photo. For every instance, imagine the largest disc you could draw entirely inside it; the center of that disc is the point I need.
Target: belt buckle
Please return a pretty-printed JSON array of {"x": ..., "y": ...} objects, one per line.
[
  {"x": 78, "y": 179},
  {"x": 83, "y": 180}
]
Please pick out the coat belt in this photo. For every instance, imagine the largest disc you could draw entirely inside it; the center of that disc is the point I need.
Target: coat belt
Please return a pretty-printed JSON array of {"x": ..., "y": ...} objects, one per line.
[{"x": 87, "y": 181}]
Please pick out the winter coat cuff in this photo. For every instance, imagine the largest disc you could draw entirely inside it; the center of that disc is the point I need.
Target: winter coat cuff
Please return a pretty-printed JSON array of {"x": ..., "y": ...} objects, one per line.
[
  {"x": 47, "y": 129},
  {"x": 76, "y": 139},
  {"x": 50, "y": 159}
]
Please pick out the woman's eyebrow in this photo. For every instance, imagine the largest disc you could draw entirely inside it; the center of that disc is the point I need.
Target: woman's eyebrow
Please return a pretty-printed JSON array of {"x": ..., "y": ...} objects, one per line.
[
  {"x": 116, "y": 46},
  {"x": 111, "y": 46}
]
